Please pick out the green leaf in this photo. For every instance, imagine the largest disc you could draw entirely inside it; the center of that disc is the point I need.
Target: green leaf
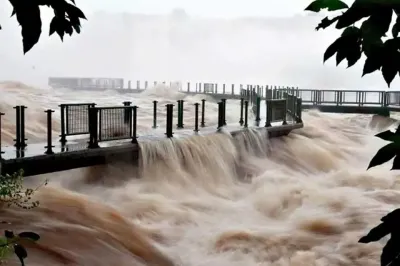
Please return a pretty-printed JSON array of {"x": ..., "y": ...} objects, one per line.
[
  {"x": 30, "y": 235},
  {"x": 5, "y": 249},
  {"x": 384, "y": 154},
  {"x": 331, "y": 5},
  {"x": 326, "y": 22}
]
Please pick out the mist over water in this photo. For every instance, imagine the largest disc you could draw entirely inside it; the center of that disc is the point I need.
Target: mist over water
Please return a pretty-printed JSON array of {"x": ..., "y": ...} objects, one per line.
[
  {"x": 180, "y": 46},
  {"x": 303, "y": 199}
]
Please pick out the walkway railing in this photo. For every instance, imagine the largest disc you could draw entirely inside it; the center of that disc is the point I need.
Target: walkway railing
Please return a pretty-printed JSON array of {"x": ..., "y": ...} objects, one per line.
[
  {"x": 350, "y": 97},
  {"x": 234, "y": 91},
  {"x": 104, "y": 124},
  {"x": 74, "y": 119}
]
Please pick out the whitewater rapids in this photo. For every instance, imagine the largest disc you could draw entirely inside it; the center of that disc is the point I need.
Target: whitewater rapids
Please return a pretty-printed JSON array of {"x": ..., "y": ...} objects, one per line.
[{"x": 300, "y": 200}]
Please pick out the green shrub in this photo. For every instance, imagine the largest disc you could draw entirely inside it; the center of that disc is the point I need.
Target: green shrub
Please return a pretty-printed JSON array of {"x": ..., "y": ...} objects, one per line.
[{"x": 12, "y": 192}]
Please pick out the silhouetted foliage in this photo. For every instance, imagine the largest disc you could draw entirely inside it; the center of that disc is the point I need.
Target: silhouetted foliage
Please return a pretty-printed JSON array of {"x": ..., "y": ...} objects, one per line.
[
  {"x": 66, "y": 19},
  {"x": 391, "y": 251},
  {"x": 389, "y": 151},
  {"x": 384, "y": 56},
  {"x": 13, "y": 193},
  {"x": 390, "y": 225},
  {"x": 366, "y": 38},
  {"x": 11, "y": 243}
]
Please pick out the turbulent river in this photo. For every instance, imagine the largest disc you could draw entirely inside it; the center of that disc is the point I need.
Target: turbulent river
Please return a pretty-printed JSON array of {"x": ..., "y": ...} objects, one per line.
[{"x": 300, "y": 200}]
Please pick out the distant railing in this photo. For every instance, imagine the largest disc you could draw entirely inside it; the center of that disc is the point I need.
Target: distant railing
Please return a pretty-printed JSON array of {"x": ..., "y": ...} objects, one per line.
[
  {"x": 349, "y": 97},
  {"x": 309, "y": 96}
]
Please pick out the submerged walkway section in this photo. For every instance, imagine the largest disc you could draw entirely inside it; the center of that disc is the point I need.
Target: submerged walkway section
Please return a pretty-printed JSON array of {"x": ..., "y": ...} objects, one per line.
[{"x": 95, "y": 135}]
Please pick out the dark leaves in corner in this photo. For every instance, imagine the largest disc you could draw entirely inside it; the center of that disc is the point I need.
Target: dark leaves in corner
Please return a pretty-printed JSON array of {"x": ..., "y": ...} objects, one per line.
[
  {"x": 391, "y": 252},
  {"x": 384, "y": 154},
  {"x": 21, "y": 253},
  {"x": 28, "y": 17},
  {"x": 384, "y": 57},
  {"x": 375, "y": 234},
  {"x": 29, "y": 235},
  {"x": 389, "y": 151},
  {"x": 67, "y": 18},
  {"x": 331, "y": 5},
  {"x": 347, "y": 46},
  {"x": 326, "y": 22},
  {"x": 9, "y": 234}
]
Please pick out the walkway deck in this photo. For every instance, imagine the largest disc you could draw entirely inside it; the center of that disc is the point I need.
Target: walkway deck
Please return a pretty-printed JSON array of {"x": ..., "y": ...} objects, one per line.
[{"x": 76, "y": 154}]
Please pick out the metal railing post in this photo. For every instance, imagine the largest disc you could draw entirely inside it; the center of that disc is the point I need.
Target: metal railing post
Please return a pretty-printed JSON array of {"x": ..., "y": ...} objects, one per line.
[
  {"x": 170, "y": 117},
  {"x": 196, "y": 117},
  {"x": 203, "y": 107},
  {"x": 49, "y": 146}
]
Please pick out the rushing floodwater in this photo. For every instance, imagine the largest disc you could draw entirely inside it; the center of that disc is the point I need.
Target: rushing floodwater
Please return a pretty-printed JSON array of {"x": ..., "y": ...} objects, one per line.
[{"x": 300, "y": 200}]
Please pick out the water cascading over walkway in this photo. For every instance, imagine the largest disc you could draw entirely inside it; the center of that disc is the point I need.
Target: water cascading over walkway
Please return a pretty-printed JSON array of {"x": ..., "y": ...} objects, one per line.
[{"x": 303, "y": 199}]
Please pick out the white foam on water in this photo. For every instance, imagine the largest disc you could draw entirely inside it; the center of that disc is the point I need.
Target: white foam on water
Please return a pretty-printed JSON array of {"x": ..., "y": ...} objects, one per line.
[{"x": 303, "y": 199}]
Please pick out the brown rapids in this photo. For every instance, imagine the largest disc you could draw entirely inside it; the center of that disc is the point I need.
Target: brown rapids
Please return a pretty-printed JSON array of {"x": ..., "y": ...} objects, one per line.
[{"x": 301, "y": 200}]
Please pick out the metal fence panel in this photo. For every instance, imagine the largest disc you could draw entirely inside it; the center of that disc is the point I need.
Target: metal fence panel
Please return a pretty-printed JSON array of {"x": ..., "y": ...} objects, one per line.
[
  {"x": 278, "y": 110},
  {"x": 372, "y": 97},
  {"x": 306, "y": 95},
  {"x": 394, "y": 98},
  {"x": 77, "y": 118},
  {"x": 115, "y": 123},
  {"x": 329, "y": 96},
  {"x": 209, "y": 88}
]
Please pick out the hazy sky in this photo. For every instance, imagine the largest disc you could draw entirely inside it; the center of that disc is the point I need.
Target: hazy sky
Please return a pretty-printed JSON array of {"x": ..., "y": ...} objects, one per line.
[
  {"x": 286, "y": 52},
  {"x": 220, "y": 8}
]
